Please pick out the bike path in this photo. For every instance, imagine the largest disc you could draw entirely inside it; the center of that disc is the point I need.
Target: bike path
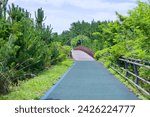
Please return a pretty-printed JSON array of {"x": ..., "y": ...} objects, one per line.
[{"x": 88, "y": 80}]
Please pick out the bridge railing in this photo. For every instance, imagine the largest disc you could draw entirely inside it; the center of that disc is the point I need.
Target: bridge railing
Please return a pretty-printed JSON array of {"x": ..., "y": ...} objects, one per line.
[{"x": 131, "y": 67}]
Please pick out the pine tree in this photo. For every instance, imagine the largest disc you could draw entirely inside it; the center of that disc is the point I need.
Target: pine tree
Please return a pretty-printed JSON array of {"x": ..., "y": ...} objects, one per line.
[
  {"x": 3, "y": 5},
  {"x": 39, "y": 15}
]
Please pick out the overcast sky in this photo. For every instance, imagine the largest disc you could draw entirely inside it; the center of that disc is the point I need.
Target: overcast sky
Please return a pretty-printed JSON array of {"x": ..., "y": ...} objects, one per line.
[{"x": 61, "y": 13}]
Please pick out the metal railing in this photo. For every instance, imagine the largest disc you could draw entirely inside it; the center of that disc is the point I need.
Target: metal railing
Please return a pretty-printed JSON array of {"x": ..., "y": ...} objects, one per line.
[{"x": 126, "y": 65}]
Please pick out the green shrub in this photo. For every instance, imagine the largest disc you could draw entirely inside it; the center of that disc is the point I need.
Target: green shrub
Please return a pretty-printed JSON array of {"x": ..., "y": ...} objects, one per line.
[
  {"x": 66, "y": 50},
  {"x": 100, "y": 54},
  {"x": 24, "y": 51}
]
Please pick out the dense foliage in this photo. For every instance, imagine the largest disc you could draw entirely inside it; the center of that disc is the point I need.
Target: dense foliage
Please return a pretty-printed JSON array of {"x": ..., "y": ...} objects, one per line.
[
  {"x": 26, "y": 46},
  {"x": 80, "y": 33},
  {"x": 128, "y": 37}
]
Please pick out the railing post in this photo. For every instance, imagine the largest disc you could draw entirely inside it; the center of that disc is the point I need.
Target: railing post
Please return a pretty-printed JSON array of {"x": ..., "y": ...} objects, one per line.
[
  {"x": 126, "y": 67},
  {"x": 136, "y": 73}
]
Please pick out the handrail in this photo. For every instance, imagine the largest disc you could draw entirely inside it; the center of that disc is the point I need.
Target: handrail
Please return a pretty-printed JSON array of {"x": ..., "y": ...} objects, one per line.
[
  {"x": 137, "y": 60},
  {"x": 136, "y": 64},
  {"x": 147, "y": 93},
  {"x": 141, "y": 65},
  {"x": 134, "y": 75}
]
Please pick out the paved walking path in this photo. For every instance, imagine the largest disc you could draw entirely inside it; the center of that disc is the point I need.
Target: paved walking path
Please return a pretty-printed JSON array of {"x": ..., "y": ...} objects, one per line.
[{"x": 88, "y": 80}]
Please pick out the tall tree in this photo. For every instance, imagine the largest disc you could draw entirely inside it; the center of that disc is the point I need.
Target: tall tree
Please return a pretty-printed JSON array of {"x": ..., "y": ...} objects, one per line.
[
  {"x": 39, "y": 15},
  {"x": 3, "y": 5}
]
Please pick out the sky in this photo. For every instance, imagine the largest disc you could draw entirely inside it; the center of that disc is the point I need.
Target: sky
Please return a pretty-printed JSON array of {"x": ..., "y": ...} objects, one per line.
[{"x": 61, "y": 13}]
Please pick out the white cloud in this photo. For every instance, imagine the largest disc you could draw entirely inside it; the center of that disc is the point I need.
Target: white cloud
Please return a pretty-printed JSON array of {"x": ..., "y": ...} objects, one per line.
[
  {"x": 104, "y": 15},
  {"x": 85, "y": 4},
  {"x": 61, "y": 13},
  {"x": 93, "y": 4}
]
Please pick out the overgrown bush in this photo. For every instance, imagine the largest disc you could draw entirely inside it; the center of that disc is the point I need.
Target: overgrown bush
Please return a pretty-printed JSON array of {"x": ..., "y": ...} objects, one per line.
[
  {"x": 26, "y": 46},
  {"x": 128, "y": 37}
]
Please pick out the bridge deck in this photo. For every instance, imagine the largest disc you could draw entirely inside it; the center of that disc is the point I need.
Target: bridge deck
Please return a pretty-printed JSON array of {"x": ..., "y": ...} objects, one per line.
[{"x": 89, "y": 80}]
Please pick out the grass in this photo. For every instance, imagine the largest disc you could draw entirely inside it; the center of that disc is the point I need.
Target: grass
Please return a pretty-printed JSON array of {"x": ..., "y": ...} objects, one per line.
[{"x": 33, "y": 89}]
